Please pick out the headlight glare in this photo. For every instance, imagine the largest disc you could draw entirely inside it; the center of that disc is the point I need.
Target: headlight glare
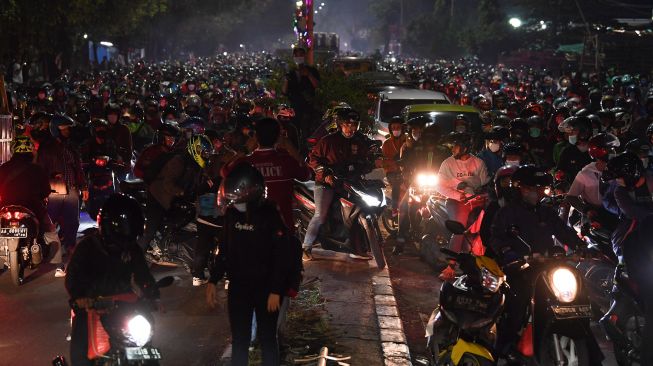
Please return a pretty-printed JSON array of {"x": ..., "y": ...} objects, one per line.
[
  {"x": 564, "y": 284},
  {"x": 427, "y": 180},
  {"x": 139, "y": 330},
  {"x": 369, "y": 200}
]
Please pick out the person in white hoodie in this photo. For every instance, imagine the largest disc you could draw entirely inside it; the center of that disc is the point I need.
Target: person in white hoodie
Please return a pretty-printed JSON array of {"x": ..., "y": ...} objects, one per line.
[{"x": 460, "y": 176}]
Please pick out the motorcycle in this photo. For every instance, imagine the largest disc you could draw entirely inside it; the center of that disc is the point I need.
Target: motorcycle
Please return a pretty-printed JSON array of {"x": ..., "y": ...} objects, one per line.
[
  {"x": 624, "y": 322},
  {"x": 599, "y": 270},
  {"x": 20, "y": 244},
  {"x": 120, "y": 330},
  {"x": 174, "y": 242},
  {"x": 460, "y": 330},
  {"x": 353, "y": 216},
  {"x": 557, "y": 328},
  {"x": 101, "y": 175}
]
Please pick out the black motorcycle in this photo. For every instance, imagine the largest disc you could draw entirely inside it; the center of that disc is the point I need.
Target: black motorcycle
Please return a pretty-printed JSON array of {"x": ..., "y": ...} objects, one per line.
[
  {"x": 459, "y": 331},
  {"x": 557, "y": 321},
  {"x": 174, "y": 242},
  {"x": 102, "y": 182},
  {"x": 121, "y": 329},
  {"x": 352, "y": 216},
  {"x": 21, "y": 246},
  {"x": 624, "y": 322}
]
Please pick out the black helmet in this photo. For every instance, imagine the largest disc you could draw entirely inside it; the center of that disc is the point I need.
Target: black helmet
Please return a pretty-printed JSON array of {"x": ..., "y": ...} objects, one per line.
[
  {"x": 167, "y": 128},
  {"x": 638, "y": 147},
  {"x": 601, "y": 145},
  {"x": 512, "y": 148},
  {"x": 98, "y": 125},
  {"x": 243, "y": 184},
  {"x": 497, "y": 133},
  {"x": 346, "y": 115},
  {"x": 530, "y": 176},
  {"x": 58, "y": 122},
  {"x": 120, "y": 220},
  {"x": 464, "y": 140},
  {"x": 396, "y": 120},
  {"x": 625, "y": 165},
  {"x": 419, "y": 122},
  {"x": 535, "y": 121}
]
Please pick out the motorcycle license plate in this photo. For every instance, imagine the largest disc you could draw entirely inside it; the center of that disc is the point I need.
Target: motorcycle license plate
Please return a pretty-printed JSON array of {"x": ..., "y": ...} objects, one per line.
[
  {"x": 572, "y": 311},
  {"x": 470, "y": 304},
  {"x": 13, "y": 232},
  {"x": 142, "y": 353}
]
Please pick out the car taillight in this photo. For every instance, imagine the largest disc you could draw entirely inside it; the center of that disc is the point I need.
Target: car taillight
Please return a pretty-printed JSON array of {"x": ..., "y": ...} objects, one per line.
[{"x": 7, "y": 215}]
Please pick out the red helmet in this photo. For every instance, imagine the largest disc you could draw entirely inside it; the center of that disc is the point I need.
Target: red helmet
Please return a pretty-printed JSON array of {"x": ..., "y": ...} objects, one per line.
[{"x": 601, "y": 145}]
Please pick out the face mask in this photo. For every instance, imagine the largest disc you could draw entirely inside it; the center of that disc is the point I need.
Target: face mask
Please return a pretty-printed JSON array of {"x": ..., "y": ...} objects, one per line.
[
  {"x": 461, "y": 128},
  {"x": 645, "y": 162},
  {"x": 494, "y": 147},
  {"x": 535, "y": 132},
  {"x": 531, "y": 198},
  {"x": 241, "y": 207},
  {"x": 298, "y": 60},
  {"x": 513, "y": 162},
  {"x": 573, "y": 139},
  {"x": 396, "y": 133},
  {"x": 112, "y": 118}
]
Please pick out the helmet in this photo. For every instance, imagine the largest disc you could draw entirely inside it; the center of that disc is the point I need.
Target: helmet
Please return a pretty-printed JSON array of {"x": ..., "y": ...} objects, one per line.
[
  {"x": 200, "y": 148},
  {"x": 622, "y": 121},
  {"x": 512, "y": 148},
  {"x": 170, "y": 110},
  {"x": 498, "y": 99},
  {"x": 285, "y": 113},
  {"x": 419, "y": 122},
  {"x": 638, "y": 147},
  {"x": 461, "y": 120},
  {"x": 601, "y": 145},
  {"x": 22, "y": 145},
  {"x": 625, "y": 165},
  {"x": 346, "y": 115},
  {"x": 112, "y": 108},
  {"x": 193, "y": 104},
  {"x": 194, "y": 125},
  {"x": 243, "y": 184},
  {"x": 396, "y": 120},
  {"x": 607, "y": 102},
  {"x": 584, "y": 127},
  {"x": 535, "y": 121},
  {"x": 464, "y": 140},
  {"x": 497, "y": 133},
  {"x": 98, "y": 125},
  {"x": 59, "y": 122},
  {"x": 120, "y": 220},
  {"x": 502, "y": 180},
  {"x": 502, "y": 120},
  {"x": 167, "y": 128},
  {"x": 530, "y": 176}
]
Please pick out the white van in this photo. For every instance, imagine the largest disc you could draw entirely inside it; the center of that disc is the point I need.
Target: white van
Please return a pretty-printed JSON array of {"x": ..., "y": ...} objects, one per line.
[{"x": 393, "y": 100}]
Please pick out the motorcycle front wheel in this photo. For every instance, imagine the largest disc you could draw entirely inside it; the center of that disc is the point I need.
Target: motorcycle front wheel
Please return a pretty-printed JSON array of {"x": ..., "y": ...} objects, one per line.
[
  {"x": 390, "y": 223},
  {"x": 374, "y": 240},
  {"x": 573, "y": 351}
]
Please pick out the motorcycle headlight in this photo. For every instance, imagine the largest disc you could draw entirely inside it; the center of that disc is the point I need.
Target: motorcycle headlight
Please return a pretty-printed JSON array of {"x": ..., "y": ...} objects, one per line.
[
  {"x": 426, "y": 180},
  {"x": 564, "y": 284},
  {"x": 139, "y": 330},
  {"x": 491, "y": 281},
  {"x": 370, "y": 200}
]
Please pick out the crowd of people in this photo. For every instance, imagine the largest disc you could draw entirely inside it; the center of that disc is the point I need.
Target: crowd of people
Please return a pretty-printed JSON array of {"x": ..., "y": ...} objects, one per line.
[{"x": 212, "y": 133}]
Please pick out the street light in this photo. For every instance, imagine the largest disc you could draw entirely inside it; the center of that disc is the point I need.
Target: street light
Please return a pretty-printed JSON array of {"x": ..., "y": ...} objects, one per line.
[
  {"x": 85, "y": 36},
  {"x": 515, "y": 22},
  {"x": 106, "y": 44}
]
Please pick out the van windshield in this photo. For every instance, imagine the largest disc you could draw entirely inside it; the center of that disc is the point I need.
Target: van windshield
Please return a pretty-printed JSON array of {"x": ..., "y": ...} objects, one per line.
[{"x": 391, "y": 108}]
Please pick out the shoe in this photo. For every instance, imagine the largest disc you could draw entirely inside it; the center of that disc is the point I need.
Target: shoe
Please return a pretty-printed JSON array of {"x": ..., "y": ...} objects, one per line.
[
  {"x": 199, "y": 281},
  {"x": 59, "y": 272},
  {"x": 306, "y": 255},
  {"x": 365, "y": 257},
  {"x": 448, "y": 274}
]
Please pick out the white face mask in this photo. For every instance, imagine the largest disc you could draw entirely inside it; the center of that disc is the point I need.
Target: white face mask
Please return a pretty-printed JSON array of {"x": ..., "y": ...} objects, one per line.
[
  {"x": 513, "y": 162},
  {"x": 241, "y": 207},
  {"x": 298, "y": 60},
  {"x": 494, "y": 147},
  {"x": 396, "y": 133},
  {"x": 645, "y": 162},
  {"x": 573, "y": 139}
]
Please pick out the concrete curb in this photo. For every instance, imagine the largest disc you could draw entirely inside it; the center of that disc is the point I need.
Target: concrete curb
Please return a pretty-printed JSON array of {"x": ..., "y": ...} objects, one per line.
[{"x": 393, "y": 339}]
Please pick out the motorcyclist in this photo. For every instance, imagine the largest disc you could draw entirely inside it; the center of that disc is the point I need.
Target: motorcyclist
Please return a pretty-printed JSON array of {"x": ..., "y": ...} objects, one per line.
[
  {"x": 491, "y": 153},
  {"x": 143, "y": 131},
  {"x": 342, "y": 153},
  {"x": 573, "y": 158},
  {"x": 391, "y": 149},
  {"x": 120, "y": 134},
  {"x": 631, "y": 195},
  {"x": 537, "y": 224},
  {"x": 165, "y": 139},
  {"x": 461, "y": 175},
  {"x": 255, "y": 256},
  {"x": 177, "y": 180},
  {"x": 107, "y": 262},
  {"x": 99, "y": 144},
  {"x": 26, "y": 184},
  {"x": 539, "y": 147}
]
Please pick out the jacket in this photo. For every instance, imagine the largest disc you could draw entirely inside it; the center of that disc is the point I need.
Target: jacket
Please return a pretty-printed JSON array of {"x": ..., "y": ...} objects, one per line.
[
  {"x": 50, "y": 157},
  {"x": 179, "y": 177},
  {"x": 336, "y": 154},
  {"x": 455, "y": 171},
  {"x": 123, "y": 138},
  {"x": 391, "y": 150},
  {"x": 254, "y": 250}
]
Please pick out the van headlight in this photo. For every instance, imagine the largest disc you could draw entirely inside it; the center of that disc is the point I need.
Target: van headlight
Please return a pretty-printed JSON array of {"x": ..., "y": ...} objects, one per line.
[
  {"x": 139, "y": 330},
  {"x": 564, "y": 284}
]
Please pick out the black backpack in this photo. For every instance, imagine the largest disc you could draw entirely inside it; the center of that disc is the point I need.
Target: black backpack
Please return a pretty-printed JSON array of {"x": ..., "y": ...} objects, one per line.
[{"x": 155, "y": 167}]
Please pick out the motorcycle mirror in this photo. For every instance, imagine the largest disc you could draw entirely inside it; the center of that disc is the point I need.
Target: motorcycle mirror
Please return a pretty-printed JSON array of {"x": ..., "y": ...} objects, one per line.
[
  {"x": 455, "y": 227},
  {"x": 165, "y": 281}
]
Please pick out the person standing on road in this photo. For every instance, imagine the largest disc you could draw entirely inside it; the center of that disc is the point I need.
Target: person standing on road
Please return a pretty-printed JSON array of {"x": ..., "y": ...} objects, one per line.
[
  {"x": 254, "y": 254},
  {"x": 300, "y": 85}
]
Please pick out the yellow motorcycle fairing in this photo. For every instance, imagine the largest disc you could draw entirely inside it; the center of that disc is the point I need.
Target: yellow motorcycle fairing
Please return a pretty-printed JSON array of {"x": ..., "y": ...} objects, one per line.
[
  {"x": 461, "y": 347},
  {"x": 490, "y": 264}
]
